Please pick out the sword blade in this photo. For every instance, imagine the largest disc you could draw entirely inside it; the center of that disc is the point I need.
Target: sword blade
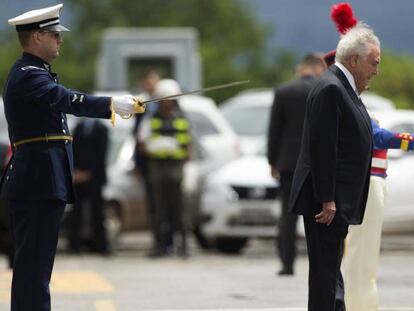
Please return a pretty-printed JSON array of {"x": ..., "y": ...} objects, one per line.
[{"x": 211, "y": 88}]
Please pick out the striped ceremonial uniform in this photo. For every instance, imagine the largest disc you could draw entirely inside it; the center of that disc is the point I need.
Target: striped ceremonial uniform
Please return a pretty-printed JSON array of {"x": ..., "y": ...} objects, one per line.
[{"x": 363, "y": 241}]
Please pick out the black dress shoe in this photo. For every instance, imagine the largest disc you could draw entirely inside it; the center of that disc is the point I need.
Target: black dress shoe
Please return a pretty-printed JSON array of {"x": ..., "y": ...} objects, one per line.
[{"x": 285, "y": 271}]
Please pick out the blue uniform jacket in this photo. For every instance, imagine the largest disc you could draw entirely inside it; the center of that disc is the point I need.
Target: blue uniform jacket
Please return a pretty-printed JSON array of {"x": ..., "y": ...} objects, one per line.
[{"x": 35, "y": 105}]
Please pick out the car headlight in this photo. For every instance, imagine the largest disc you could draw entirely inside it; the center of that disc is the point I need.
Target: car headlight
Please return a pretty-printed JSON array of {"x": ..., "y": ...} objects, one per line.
[{"x": 218, "y": 190}]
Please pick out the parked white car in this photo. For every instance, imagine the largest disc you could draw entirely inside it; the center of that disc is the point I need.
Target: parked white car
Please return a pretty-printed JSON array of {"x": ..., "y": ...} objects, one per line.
[
  {"x": 214, "y": 144},
  {"x": 249, "y": 113},
  {"x": 211, "y": 128},
  {"x": 235, "y": 207},
  {"x": 399, "y": 210},
  {"x": 240, "y": 201}
]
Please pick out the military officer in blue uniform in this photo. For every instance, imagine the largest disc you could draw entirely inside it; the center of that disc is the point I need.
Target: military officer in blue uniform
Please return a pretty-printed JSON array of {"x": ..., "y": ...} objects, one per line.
[{"x": 38, "y": 181}]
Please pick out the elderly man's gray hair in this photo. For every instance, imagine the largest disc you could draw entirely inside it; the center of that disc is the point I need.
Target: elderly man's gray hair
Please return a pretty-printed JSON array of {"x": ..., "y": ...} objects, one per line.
[{"x": 356, "y": 42}]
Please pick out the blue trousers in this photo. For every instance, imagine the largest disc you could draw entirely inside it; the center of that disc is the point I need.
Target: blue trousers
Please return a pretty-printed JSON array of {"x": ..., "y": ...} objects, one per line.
[{"x": 35, "y": 228}]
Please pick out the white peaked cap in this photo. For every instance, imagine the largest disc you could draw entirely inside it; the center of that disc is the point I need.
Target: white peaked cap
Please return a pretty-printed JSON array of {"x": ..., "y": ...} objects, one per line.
[{"x": 42, "y": 19}]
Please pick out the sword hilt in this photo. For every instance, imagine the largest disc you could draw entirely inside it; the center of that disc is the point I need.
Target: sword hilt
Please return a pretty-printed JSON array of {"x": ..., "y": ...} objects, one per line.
[{"x": 139, "y": 107}]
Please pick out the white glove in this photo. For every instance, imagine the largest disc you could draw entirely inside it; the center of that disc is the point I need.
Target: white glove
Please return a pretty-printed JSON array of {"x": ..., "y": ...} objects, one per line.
[{"x": 123, "y": 105}]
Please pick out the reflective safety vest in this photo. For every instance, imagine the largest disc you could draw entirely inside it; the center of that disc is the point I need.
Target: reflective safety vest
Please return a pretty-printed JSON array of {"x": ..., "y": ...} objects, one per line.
[{"x": 169, "y": 138}]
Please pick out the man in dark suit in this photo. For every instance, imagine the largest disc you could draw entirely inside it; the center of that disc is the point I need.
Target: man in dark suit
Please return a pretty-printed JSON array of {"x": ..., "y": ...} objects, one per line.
[
  {"x": 38, "y": 180},
  {"x": 89, "y": 153},
  {"x": 284, "y": 137},
  {"x": 330, "y": 184}
]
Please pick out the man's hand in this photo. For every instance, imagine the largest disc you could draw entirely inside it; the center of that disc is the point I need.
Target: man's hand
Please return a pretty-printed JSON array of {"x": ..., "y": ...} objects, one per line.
[
  {"x": 327, "y": 214},
  {"x": 274, "y": 172},
  {"x": 126, "y": 105},
  {"x": 81, "y": 176}
]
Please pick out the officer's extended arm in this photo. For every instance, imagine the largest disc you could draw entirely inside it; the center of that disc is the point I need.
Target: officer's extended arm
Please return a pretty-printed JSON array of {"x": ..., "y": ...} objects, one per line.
[{"x": 385, "y": 139}]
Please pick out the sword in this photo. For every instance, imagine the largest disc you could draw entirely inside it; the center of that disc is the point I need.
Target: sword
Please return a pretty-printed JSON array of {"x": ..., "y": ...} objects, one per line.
[
  {"x": 139, "y": 107},
  {"x": 207, "y": 89}
]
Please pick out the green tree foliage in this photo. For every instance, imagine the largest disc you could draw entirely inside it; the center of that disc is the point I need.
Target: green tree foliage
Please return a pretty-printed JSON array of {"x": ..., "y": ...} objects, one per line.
[
  {"x": 396, "y": 79},
  {"x": 232, "y": 41},
  {"x": 232, "y": 45}
]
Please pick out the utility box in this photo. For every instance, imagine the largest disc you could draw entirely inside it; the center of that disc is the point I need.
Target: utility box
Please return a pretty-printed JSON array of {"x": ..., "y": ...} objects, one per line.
[{"x": 127, "y": 53}]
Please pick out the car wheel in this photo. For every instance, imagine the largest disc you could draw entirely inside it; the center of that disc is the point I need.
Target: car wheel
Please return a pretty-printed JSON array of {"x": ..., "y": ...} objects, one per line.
[
  {"x": 201, "y": 239},
  {"x": 231, "y": 245},
  {"x": 113, "y": 223}
]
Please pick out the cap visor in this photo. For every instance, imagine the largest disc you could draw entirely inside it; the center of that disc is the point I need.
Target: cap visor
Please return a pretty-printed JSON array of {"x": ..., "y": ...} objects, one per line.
[{"x": 56, "y": 28}]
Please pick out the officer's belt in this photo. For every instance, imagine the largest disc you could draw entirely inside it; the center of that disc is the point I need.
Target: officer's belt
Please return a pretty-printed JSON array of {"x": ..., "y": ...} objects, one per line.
[{"x": 46, "y": 138}]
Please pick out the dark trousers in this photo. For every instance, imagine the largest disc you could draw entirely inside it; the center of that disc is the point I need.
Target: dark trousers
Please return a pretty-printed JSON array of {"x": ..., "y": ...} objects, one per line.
[
  {"x": 165, "y": 177},
  {"x": 142, "y": 163},
  {"x": 6, "y": 240},
  {"x": 88, "y": 193},
  {"x": 325, "y": 249},
  {"x": 286, "y": 241},
  {"x": 35, "y": 227}
]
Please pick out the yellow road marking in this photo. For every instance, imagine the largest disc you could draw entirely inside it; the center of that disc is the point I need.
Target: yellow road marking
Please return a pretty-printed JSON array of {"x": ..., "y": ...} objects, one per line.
[
  {"x": 91, "y": 282},
  {"x": 79, "y": 282},
  {"x": 68, "y": 281},
  {"x": 105, "y": 305}
]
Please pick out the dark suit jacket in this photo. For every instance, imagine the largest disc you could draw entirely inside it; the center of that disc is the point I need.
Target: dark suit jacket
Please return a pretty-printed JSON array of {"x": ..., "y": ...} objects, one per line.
[
  {"x": 335, "y": 156},
  {"x": 286, "y": 123},
  {"x": 89, "y": 150}
]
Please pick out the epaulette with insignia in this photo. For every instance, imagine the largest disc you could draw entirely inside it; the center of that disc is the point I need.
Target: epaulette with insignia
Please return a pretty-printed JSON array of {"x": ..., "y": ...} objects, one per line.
[{"x": 32, "y": 67}]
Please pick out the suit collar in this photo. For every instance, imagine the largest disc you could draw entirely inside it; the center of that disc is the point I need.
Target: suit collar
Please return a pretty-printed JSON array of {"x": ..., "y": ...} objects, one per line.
[
  {"x": 341, "y": 76},
  {"x": 355, "y": 98},
  {"x": 348, "y": 76}
]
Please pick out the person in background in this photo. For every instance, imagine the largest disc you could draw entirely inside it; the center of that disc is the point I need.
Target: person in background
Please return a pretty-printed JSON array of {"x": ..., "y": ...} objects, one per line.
[
  {"x": 90, "y": 144},
  {"x": 283, "y": 143},
  {"x": 6, "y": 241},
  {"x": 148, "y": 84},
  {"x": 38, "y": 180},
  {"x": 331, "y": 179},
  {"x": 165, "y": 139}
]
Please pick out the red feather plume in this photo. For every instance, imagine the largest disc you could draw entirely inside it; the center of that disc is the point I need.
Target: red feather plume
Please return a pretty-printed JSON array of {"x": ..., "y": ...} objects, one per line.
[{"x": 343, "y": 17}]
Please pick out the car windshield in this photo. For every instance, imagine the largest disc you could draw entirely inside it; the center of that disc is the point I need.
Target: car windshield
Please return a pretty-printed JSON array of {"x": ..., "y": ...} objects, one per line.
[
  {"x": 247, "y": 120},
  {"x": 200, "y": 124},
  {"x": 116, "y": 139}
]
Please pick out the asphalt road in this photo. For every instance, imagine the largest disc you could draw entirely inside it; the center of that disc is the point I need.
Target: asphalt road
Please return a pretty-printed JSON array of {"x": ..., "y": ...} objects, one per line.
[{"x": 129, "y": 281}]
